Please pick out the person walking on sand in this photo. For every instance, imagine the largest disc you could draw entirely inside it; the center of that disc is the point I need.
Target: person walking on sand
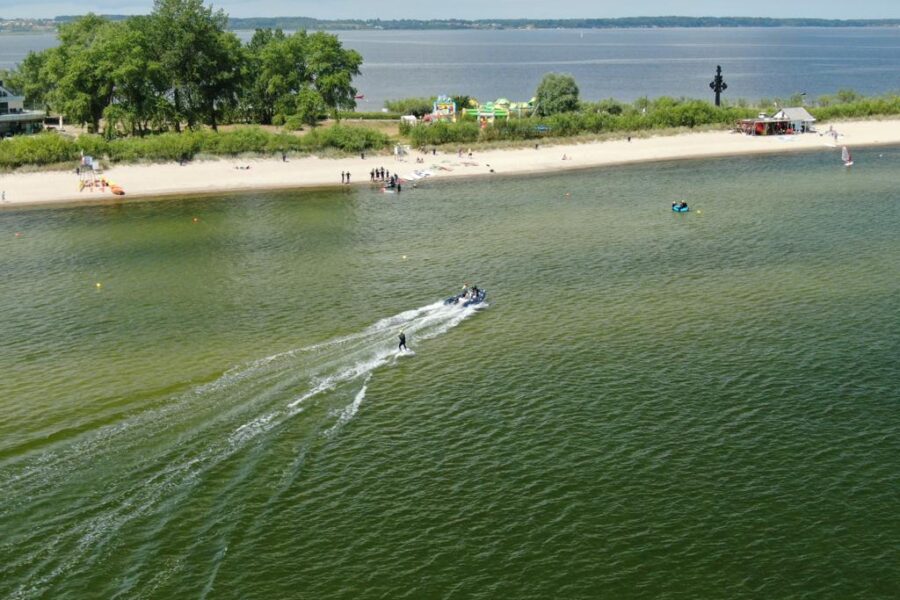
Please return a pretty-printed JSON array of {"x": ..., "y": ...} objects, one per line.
[
  {"x": 402, "y": 345},
  {"x": 348, "y": 177},
  {"x": 343, "y": 177}
]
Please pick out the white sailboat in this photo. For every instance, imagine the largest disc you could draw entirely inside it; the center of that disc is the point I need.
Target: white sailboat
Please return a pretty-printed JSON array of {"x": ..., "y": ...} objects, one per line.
[{"x": 845, "y": 156}]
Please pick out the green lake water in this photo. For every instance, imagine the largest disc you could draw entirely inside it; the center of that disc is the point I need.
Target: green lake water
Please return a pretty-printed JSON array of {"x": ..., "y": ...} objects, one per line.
[{"x": 653, "y": 405}]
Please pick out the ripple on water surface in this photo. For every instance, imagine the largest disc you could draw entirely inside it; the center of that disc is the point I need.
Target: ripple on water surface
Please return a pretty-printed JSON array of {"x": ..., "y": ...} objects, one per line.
[{"x": 651, "y": 405}]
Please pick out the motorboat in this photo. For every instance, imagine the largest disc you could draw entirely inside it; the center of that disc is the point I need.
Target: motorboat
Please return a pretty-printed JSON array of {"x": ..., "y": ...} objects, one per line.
[{"x": 468, "y": 297}]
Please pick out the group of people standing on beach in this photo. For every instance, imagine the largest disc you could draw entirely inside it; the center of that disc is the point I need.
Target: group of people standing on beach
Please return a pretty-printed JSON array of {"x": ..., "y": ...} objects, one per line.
[
  {"x": 345, "y": 176},
  {"x": 380, "y": 174},
  {"x": 391, "y": 181}
]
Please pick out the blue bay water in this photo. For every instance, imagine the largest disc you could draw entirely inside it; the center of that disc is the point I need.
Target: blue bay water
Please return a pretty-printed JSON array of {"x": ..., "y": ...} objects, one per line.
[
  {"x": 621, "y": 63},
  {"x": 653, "y": 405}
]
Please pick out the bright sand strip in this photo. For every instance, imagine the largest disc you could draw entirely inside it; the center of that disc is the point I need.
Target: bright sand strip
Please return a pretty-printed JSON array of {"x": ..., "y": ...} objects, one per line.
[{"x": 217, "y": 176}]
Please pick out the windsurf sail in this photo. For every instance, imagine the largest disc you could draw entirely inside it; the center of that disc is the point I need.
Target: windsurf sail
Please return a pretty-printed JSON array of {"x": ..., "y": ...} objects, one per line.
[{"x": 845, "y": 156}]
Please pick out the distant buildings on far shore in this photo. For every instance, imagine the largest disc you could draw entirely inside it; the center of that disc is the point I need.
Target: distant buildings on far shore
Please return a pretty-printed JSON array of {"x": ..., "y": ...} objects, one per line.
[
  {"x": 11, "y": 25},
  {"x": 27, "y": 25}
]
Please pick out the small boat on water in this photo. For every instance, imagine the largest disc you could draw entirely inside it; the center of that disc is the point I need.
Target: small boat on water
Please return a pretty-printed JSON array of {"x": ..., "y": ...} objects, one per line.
[
  {"x": 680, "y": 207},
  {"x": 468, "y": 297},
  {"x": 846, "y": 158}
]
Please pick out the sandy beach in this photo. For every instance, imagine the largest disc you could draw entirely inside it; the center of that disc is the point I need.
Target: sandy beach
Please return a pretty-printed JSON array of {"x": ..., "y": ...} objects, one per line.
[{"x": 232, "y": 175}]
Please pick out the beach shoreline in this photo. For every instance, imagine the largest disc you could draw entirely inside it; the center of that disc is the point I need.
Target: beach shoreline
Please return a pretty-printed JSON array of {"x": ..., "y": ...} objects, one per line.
[{"x": 222, "y": 176}]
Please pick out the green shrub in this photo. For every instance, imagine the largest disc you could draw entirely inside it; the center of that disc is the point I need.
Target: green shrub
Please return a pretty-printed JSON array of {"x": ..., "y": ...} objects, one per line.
[
  {"x": 444, "y": 133},
  {"x": 861, "y": 107},
  {"x": 245, "y": 140},
  {"x": 603, "y": 117},
  {"x": 92, "y": 145},
  {"x": 293, "y": 123},
  {"x": 609, "y": 105},
  {"x": 41, "y": 149},
  {"x": 411, "y": 106},
  {"x": 162, "y": 147},
  {"x": 348, "y": 139}
]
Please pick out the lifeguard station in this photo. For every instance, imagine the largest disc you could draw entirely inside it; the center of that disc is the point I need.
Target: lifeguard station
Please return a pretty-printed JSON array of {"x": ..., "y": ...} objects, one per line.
[{"x": 90, "y": 177}]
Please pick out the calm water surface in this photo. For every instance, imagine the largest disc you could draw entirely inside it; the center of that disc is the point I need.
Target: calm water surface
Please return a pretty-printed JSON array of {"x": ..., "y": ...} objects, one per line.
[
  {"x": 621, "y": 63},
  {"x": 654, "y": 405}
]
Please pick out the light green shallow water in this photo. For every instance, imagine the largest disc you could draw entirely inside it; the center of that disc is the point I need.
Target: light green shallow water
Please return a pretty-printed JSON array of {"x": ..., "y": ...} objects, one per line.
[{"x": 653, "y": 405}]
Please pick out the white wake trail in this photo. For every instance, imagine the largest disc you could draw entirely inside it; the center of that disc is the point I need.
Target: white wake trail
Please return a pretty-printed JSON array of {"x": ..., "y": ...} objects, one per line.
[{"x": 146, "y": 460}]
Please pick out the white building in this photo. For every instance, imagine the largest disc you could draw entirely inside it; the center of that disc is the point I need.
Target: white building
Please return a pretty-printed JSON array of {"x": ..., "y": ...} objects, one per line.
[
  {"x": 801, "y": 121},
  {"x": 13, "y": 116}
]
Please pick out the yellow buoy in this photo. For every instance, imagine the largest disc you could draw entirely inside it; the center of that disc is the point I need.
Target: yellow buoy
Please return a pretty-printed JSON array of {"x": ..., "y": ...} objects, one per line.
[
  {"x": 99, "y": 285},
  {"x": 404, "y": 257}
]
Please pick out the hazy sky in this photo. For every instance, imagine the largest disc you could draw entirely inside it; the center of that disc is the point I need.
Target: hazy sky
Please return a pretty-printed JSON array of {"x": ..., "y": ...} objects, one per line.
[{"x": 480, "y": 9}]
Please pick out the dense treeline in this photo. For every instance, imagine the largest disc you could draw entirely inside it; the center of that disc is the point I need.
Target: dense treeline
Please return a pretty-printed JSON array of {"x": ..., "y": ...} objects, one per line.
[
  {"x": 180, "y": 67},
  {"x": 50, "y": 148},
  {"x": 297, "y": 23}
]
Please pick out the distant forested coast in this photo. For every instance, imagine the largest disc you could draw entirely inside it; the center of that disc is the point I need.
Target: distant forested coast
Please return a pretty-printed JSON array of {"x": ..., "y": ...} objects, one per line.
[
  {"x": 297, "y": 23},
  {"x": 621, "y": 23}
]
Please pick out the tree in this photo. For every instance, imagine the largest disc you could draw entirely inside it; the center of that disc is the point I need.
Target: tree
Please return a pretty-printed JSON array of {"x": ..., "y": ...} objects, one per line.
[
  {"x": 31, "y": 79},
  {"x": 265, "y": 81},
  {"x": 201, "y": 59},
  {"x": 298, "y": 74},
  {"x": 142, "y": 84},
  {"x": 463, "y": 102},
  {"x": 556, "y": 93},
  {"x": 178, "y": 66},
  {"x": 331, "y": 70},
  {"x": 79, "y": 71},
  {"x": 278, "y": 73},
  {"x": 309, "y": 106}
]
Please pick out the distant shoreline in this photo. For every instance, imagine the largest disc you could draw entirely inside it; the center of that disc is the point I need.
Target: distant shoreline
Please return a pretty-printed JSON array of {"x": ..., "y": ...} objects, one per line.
[
  {"x": 220, "y": 177},
  {"x": 25, "y": 25}
]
